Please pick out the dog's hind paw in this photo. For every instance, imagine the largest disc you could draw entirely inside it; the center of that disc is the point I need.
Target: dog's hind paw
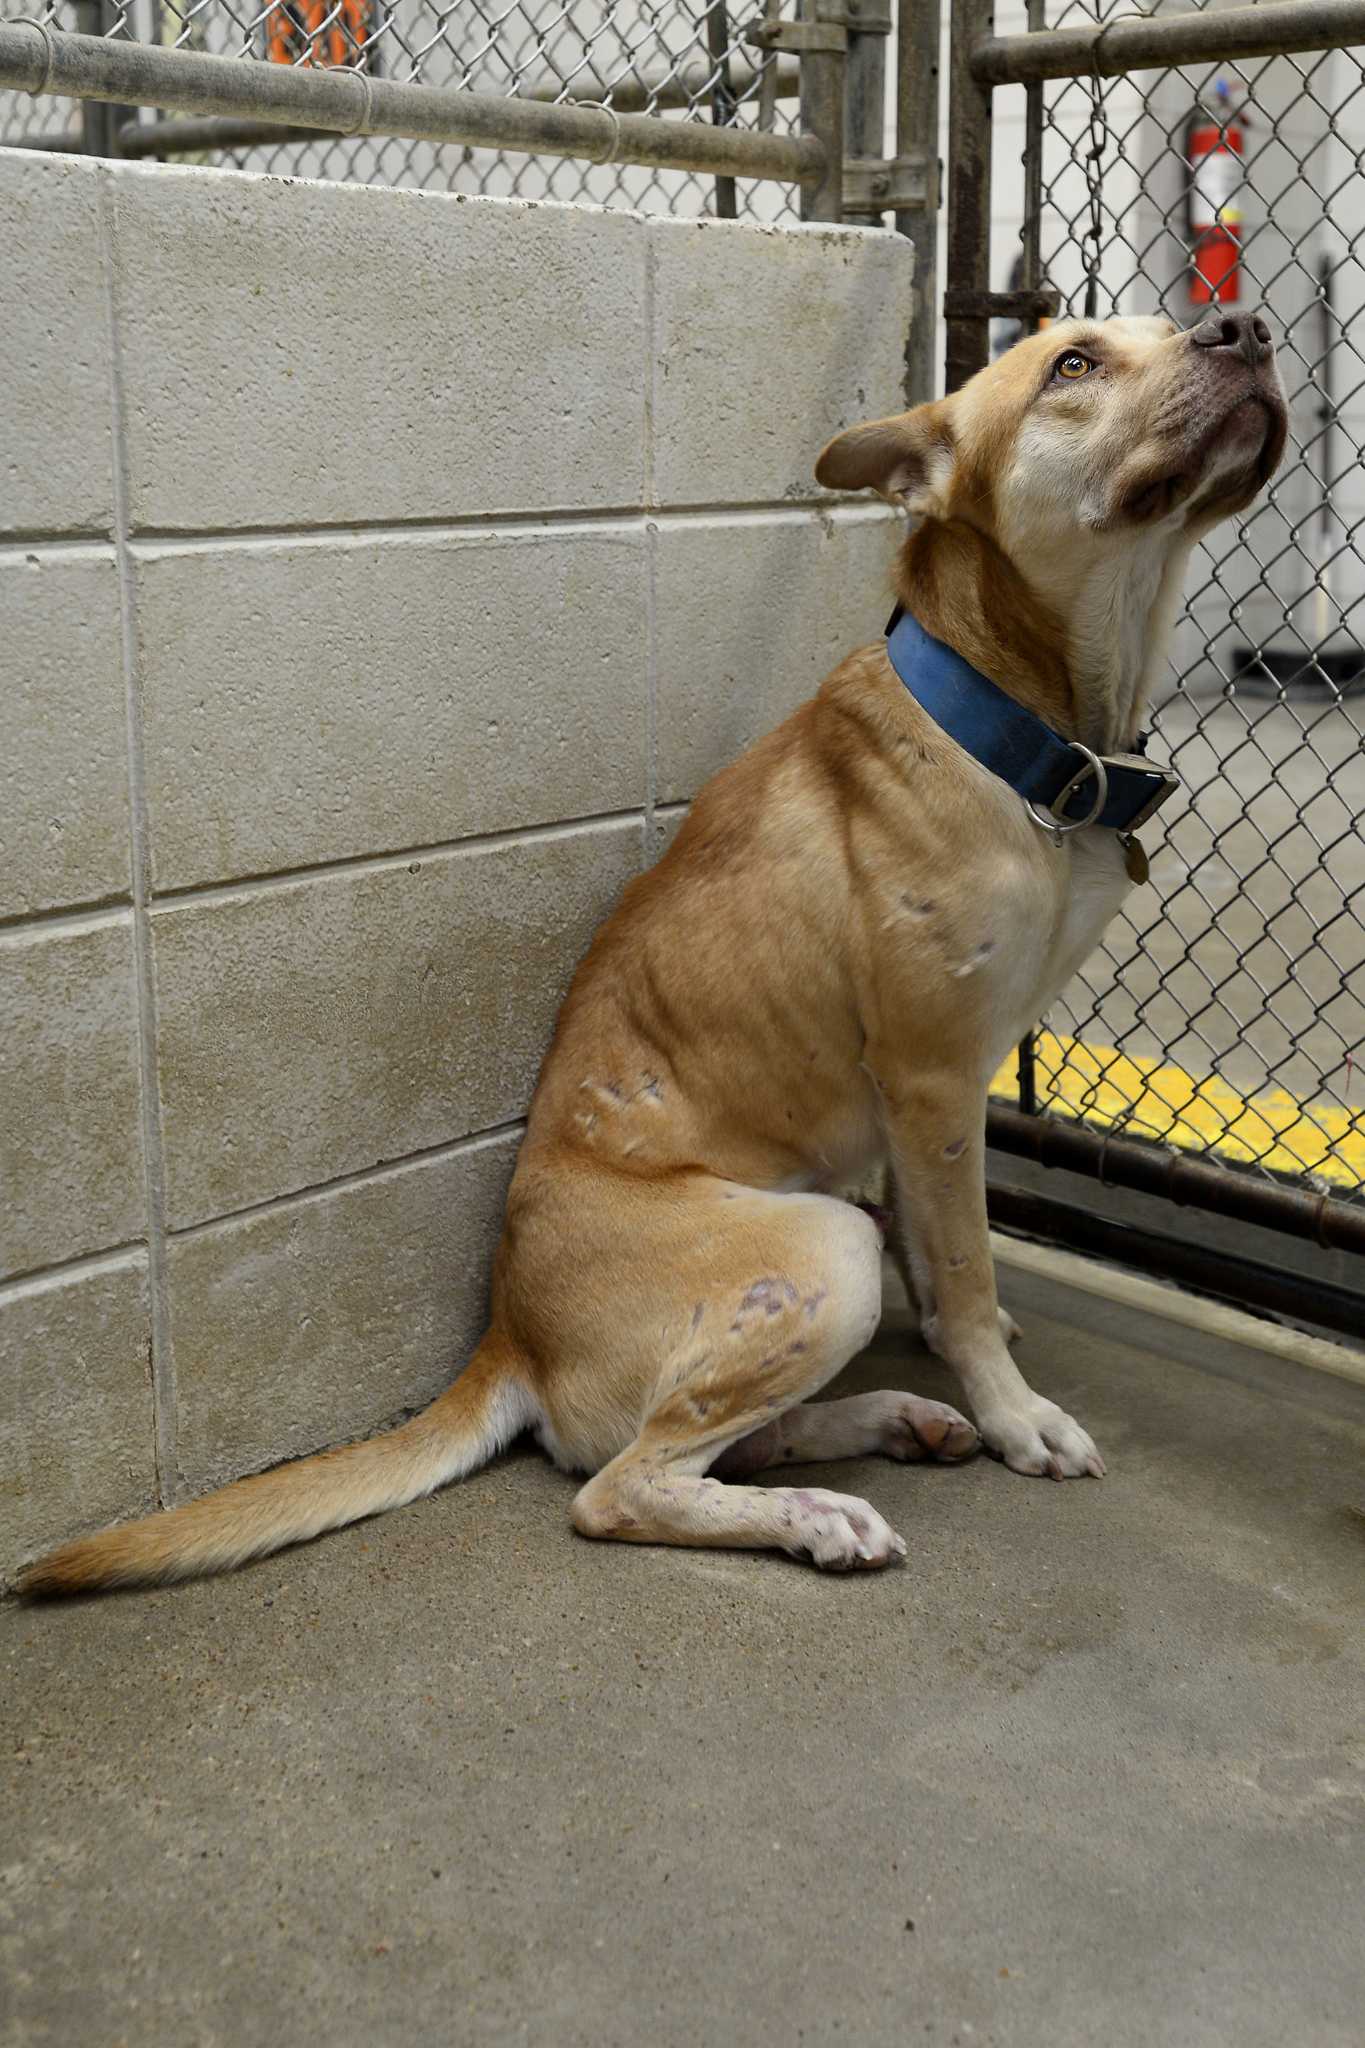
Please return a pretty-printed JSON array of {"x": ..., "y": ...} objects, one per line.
[
  {"x": 1041, "y": 1440},
  {"x": 917, "y": 1428},
  {"x": 836, "y": 1531}
]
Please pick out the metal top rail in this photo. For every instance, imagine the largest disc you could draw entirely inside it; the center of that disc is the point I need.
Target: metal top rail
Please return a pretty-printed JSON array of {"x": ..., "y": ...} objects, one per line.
[
  {"x": 1132, "y": 42},
  {"x": 36, "y": 59}
]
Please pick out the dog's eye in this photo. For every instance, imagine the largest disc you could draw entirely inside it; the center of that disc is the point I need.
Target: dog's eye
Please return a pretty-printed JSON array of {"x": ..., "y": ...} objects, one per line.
[{"x": 1073, "y": 365}]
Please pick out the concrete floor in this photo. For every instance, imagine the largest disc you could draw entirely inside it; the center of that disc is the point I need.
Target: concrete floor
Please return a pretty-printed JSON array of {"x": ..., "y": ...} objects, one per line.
[{"x": 1089, "y": 1770}]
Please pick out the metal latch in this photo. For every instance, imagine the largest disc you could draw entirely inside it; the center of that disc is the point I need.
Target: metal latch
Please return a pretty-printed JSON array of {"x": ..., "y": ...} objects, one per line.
[
  {"x": 874, "y": 184},
  {"x": 835, "y": 21}
]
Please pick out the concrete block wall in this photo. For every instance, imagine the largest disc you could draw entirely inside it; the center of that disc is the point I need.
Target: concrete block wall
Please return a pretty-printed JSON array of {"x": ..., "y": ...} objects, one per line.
[{"x": 381, "y": 573}]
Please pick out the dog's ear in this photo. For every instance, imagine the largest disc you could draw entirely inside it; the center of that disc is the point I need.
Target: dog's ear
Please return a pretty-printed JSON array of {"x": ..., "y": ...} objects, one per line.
[{"x": 907, "y": 460}]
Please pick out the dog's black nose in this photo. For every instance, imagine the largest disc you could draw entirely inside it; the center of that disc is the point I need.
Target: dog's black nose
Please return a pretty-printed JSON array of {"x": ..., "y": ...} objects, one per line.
[{"x": 1245, "y": 333}]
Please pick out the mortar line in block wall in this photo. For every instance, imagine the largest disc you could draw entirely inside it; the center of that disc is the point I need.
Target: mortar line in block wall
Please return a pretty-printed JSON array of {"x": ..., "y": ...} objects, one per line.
[
  {"x": 651, "y": 563},
  {"x": 199, "y": 893},
  {"x": 113, "y": 1258},
  {"x": 505, "y": 526},
  {"x": 651, "y": 686},
  {"x": 359, "y": 1177},
  {"x": 164, "y": 1429},
  {"x": 648, "y": 379},
  {"x": 101, "y": 910},
  {"x": 55, "y": 546}
]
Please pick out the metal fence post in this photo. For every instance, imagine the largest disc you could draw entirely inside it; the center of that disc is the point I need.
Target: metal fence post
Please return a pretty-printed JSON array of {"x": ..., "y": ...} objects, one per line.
[
  {"x": 96, "y": 124},
  {"x": 1030, "y": 279},
  {"x": 1031, "y": 267},
  {"x": 869, "y": 25},
  {"x": 101, "y": 120},
  {"x": 722, "y": 96},
  {"x": 969, "y": 198},
  {"x": 823, "y": 48},
  {"x": 919, "y": 28}
]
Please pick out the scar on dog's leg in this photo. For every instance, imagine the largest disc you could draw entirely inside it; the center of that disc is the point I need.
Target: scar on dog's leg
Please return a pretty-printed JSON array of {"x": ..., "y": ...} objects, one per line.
[
  {"x": 778, "y": 1337},
  {"x": 902, "y": 1426}
]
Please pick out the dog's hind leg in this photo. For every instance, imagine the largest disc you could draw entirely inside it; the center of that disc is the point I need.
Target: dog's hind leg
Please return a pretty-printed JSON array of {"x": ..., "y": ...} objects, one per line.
[
  {"x": 770, "y": 1337},
  {"x": 906, "y": 1427}
]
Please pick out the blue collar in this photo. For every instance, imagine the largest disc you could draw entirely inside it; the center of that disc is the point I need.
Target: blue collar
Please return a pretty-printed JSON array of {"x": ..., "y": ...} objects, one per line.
[{"x": 1064, "y": 785}]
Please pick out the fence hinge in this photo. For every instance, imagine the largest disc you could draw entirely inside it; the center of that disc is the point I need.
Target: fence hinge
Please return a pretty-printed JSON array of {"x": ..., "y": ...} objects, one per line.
[
  {"x": 1044, "y": 304},
  {"x": 875, "y": 184}
]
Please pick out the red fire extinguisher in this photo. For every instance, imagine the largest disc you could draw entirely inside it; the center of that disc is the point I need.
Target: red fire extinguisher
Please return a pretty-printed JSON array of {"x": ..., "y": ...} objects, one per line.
[{"x": 1214, "y": 143}]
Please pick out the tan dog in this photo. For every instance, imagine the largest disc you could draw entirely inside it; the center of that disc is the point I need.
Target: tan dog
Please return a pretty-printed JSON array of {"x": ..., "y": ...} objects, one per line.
[{"x": 855, "y": 924}]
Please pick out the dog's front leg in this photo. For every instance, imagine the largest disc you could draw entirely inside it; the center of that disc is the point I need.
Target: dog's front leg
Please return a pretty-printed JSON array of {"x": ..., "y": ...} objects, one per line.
[
  {"x": 914, "y": 1273},
  {"x": 936, "y": 1129}
]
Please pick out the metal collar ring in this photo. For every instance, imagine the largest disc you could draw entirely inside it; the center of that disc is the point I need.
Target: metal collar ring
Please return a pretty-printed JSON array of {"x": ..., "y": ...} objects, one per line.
[{"x": 1052, "y": 820}]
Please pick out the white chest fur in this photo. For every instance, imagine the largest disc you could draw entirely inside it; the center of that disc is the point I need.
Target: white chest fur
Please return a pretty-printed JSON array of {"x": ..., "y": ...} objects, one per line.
[
  {"x": 1041, "y": 910},
  {"x": 1091, "y": 881}
]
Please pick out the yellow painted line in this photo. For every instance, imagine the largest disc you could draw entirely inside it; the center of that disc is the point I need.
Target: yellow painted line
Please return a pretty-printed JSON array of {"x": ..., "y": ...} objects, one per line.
[{"x": 1148, "y": 1098}]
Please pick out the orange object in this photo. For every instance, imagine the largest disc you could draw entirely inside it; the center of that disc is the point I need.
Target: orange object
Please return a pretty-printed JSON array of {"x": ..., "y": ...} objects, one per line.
[{"x": 327, "y": 33}]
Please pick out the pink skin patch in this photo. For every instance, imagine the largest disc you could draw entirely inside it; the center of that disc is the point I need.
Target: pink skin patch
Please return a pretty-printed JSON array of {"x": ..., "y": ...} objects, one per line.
[
  {"x": 772, "y": 1296},
  {"x": 856, "y": 1522}
]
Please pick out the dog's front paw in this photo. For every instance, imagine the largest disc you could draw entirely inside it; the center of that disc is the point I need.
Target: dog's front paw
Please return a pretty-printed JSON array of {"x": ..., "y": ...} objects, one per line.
[
  {"x": 836, "y": 1531},
  {"x": 1041, "y": 1439}
]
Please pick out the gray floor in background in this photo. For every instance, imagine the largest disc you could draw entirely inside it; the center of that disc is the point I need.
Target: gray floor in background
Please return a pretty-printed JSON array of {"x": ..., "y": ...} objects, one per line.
[{"x": 1089, "y": 1770}]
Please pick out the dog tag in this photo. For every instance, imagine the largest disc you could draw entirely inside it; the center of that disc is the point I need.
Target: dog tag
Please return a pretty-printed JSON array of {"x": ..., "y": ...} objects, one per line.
[{"x": 1134, "y": 858}]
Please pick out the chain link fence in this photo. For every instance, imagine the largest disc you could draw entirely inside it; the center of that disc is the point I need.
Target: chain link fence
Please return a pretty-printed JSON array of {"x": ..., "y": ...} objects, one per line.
[
  {"x": 1225, "y": 1011},
  {"x": 682, "y": 58}
]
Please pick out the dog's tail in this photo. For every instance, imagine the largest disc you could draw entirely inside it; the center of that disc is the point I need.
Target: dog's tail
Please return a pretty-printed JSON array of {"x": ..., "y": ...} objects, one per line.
[{"x": 482, "y": 1411}]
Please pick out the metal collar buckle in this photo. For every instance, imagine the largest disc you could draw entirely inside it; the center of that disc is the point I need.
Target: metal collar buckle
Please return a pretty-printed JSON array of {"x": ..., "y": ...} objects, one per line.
[
  {"x": 1168, "y": 785},
  {"x": 1054, "y": 819}
]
